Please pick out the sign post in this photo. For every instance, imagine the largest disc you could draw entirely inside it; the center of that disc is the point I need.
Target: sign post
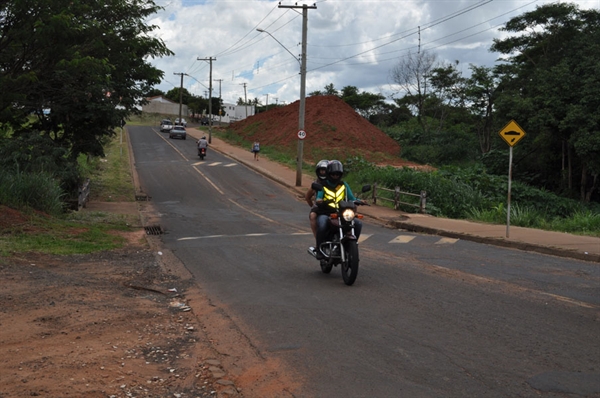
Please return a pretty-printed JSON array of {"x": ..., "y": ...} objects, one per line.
[{"x": 511, "y": 134}]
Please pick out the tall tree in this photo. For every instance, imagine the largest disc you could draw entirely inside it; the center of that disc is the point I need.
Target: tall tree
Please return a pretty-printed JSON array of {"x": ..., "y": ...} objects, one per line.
[
  {"x": 411, "y": 75},
  {"x": 548, "y": 82},
  {"x": 173, "y": 95},
  {"x": 480, "y": 93},
  {"x": 447, "y": 92},
  {"x": 366, "y": 104},
  {"x": 81, "y": 66}
]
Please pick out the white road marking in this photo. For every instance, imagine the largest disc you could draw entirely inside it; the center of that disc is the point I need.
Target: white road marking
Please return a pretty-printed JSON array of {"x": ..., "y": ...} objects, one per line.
[
  {"x": 402, "y": 239},
  {"x": 209, "y": 181},
  {"x": 364, "y": 237},
  {"x": 230, "y": 165},
  {"x": 214, "y": 164},
  {"x": 238, "y": 236},
  {"x": 446, "y": 241}
]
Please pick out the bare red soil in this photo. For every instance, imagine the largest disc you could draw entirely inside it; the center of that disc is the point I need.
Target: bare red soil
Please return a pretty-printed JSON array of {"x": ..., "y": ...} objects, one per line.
[{"x": 333, "y": 130}]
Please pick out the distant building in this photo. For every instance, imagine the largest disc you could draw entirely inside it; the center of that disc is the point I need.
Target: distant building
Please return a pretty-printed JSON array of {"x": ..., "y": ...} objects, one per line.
[
  {"x": 162, "y": 105},
  {"x": 233, "y": 113}
]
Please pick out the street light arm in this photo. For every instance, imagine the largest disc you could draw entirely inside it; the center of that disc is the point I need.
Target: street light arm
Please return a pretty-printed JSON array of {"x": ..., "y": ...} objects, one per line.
[{"x": 286, "y": 49}]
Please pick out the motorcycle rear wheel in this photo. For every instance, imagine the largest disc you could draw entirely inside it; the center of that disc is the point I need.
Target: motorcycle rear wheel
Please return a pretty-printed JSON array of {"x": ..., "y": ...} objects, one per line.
[{"x": 350, "y": 266}]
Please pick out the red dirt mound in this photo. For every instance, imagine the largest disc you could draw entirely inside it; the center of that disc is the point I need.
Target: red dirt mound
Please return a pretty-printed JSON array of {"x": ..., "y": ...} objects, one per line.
[{"x": 333, "y": 131}]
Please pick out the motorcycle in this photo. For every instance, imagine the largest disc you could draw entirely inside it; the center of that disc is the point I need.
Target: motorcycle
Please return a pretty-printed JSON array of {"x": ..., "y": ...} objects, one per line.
[
  {"x": 341, "y": 245},
  {"x": 201, "y": 153}
]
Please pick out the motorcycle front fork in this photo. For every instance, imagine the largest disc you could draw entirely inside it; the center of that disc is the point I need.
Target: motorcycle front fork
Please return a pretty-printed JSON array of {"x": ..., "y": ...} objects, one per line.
[{"x": 328, "y": 248}]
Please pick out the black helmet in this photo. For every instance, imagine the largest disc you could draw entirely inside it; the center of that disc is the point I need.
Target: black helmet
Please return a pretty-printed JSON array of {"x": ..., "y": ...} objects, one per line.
[
  {"x": 335, "y": 167},
  {"x": 321, "y": 165},
  {"x": 203, "y": 137}
]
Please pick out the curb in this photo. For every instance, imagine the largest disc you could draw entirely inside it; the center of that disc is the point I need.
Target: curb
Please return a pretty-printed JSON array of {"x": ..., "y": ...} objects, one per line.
[{"x": 498, "y": 242}]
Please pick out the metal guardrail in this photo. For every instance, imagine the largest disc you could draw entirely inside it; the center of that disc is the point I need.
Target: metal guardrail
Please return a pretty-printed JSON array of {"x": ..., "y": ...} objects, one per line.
[
  {"x": 396, "y": 198},
  {"x": 84, "y": 194}
]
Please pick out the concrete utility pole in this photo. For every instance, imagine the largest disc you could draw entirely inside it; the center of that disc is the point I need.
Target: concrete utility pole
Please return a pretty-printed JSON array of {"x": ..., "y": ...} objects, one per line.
[
  {"x": 267, "y": 106},
  {"x": 245, "y": 100},
  {"x": 220, "y": 110},
  {"x": 209, "y": 59},
  {"x": 302, "y": 89},
  {"x": 181, "y": 93}
]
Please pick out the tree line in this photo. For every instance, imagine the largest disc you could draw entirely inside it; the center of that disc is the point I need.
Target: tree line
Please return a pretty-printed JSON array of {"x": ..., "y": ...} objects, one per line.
[
  {"x": 547, "y": 79},
  {"x": 69, "y": 76}
]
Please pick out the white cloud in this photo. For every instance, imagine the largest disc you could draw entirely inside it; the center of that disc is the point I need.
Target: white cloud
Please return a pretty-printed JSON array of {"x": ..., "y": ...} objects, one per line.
[{"x": 350, "y": 43}]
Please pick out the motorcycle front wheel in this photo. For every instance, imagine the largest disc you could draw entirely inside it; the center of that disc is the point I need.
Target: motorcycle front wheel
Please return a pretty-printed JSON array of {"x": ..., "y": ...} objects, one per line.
[{"x": 350, "y": 266}]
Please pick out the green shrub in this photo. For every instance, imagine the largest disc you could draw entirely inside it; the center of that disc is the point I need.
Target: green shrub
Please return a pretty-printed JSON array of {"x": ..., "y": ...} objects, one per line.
[
  {"x": 38, "y": 191},
  {"x": 471, "y": 193}
]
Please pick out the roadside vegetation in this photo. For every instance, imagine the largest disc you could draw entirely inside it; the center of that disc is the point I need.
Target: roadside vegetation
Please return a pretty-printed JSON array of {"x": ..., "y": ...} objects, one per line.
[
  {"x": 473, "y": 194},
  {"x": 35, "y": 218},
  {"x": 546, "y": 80},
  {"x": 468, "y": 193}
]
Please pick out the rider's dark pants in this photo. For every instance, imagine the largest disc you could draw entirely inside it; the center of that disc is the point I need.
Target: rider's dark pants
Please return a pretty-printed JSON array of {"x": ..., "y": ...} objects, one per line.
[{"x": 323, "y": 225}]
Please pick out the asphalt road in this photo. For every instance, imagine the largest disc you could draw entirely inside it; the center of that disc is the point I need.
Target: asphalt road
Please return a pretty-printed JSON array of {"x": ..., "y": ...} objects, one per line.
[{"x": 427, "y": 316}]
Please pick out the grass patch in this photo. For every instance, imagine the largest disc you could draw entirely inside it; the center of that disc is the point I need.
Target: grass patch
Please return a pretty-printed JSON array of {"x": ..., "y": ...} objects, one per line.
[
  {"x": 111, "y": 179},
  {"x": 79, "y": 232},
  {"x": 72, "y": 234}
]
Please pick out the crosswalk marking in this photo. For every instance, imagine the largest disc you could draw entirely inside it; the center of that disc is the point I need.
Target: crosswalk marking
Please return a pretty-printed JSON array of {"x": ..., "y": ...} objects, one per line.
[
  {"x": 402, "y": 239},
  {"x": 363, "y": 237},
  {"x": 445, "y": 241},
  {"x": 213, "y": 164}
]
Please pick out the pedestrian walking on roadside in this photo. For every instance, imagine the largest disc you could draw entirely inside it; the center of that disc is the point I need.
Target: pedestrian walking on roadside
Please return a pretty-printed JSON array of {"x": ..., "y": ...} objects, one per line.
[{"x": 256, "y": 149}]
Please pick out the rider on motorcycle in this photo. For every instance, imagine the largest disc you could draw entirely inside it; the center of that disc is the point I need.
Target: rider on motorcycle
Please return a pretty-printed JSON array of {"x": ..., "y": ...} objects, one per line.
[
  {"x": 202, "y": 143},
  {"x": 334, "y": 190}
]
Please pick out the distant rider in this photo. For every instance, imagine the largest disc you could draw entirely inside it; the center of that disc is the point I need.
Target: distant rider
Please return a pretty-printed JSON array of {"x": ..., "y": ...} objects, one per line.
[
  {"x": 202, "y": 143},
  {"x": 334, "y": 191}
]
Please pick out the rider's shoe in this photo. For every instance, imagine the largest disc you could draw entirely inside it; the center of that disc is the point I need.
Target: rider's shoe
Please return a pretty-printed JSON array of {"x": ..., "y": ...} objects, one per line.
[{"x": 312, "y": 251}]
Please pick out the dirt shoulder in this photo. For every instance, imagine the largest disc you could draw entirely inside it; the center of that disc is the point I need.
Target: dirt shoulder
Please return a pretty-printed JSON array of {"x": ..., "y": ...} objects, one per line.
[{"x": 125, "y": 323}]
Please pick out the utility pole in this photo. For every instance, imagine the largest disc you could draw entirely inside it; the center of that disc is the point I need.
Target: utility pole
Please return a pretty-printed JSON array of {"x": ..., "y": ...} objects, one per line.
[
  {"x": 267, "y": 106},
  {"x": 180, "y": 93},
  {"x": 209, "y": 59},
  {"x": 302, "y": 90},
  {"x": 220, "y": 110},
  {"x": 245, "y": 100}
]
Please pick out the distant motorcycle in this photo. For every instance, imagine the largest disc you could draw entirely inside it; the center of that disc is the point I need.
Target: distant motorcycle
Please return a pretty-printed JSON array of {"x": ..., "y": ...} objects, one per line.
[
  {"x": 201, "y": 153},
  {"x": 341, "y": 245}
]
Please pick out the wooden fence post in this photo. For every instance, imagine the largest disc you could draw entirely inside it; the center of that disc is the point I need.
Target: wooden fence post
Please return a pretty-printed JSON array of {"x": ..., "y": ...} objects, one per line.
[
  {"x": 396, "y": 198},
  {"x": 374, "y": 193},
  {"x": 423, "y": 202}
]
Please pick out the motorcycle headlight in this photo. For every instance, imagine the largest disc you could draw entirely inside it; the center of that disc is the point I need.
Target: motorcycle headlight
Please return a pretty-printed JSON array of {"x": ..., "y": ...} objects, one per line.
[{"x": 348, "y": 215}]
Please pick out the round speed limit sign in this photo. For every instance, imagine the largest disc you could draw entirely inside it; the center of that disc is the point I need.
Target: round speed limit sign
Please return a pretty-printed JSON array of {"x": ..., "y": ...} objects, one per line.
[{"x": 301, "y": 134}]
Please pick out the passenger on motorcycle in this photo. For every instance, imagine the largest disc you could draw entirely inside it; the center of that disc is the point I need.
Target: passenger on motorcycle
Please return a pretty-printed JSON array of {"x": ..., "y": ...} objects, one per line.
[
  {"x": 310, "y": 197},
  {"x": 334, "y": 190}
]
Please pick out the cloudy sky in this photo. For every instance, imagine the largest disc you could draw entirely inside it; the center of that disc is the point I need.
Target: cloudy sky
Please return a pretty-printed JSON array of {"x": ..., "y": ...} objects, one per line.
[{"x": 349, "y": 42}]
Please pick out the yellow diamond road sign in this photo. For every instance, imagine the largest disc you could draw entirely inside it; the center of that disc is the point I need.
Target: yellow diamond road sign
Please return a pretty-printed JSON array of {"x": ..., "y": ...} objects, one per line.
[{"x": 512, "y": 133}]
